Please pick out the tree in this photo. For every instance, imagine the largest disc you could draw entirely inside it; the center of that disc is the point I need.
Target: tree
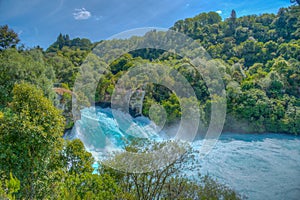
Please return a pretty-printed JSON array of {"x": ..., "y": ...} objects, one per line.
[
  {"x": 65, "y": 41},
  {"x": 65, "y": 71},
  {"x": 8, "y": 38},
  {"x": 26, "y": 66},
  {"x": 79, "y": 181},
  {"x": 233, "y": 15},
  {"x": 76, "y": 159},
  {"x": 166, "y": 182},
  {"x": 30, "y": 138},
  {"x": 121, "y": 64},
  {"x": 89, "y": 186}
]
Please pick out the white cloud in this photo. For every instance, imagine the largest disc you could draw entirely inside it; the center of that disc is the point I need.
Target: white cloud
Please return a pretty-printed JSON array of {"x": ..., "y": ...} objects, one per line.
[
  {"x": 219, "y": 12},
  {"x": 81, "y": 14}
]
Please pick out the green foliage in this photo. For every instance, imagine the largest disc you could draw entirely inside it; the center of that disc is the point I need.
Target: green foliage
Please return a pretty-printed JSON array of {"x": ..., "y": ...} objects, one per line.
[
  {"x": 172, "y": 107},
  {"x": 26, "y": 66},
  {"x": 30, "y": 135},
  {"x": 75, "y": 159},
  {"x": 121, "y": 64},
  {"x": 65, "y": 71},
  {"x": 88, "y": 186},
  {"x": 264, "y": 54},
  {"x": 191, "y": 24},
  {"x": 65, "y": 41},
  {"x": 8, "y": 38},
  {"x": 9, "y": 187}
]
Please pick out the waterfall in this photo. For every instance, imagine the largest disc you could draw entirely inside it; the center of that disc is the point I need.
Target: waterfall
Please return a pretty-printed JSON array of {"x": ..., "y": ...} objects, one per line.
[{"x": 101, "y": 133}]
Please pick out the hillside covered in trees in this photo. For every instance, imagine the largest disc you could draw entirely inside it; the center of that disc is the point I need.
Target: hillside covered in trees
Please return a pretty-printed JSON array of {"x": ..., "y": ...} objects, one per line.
[
  {"x": 260, "y": 68},
  {"x": 261, "y": 74},
  {"x": 262, "y": 54}
]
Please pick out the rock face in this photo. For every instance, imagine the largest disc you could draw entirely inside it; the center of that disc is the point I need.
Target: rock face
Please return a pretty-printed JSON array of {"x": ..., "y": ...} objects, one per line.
[
  {"x": 128, "y": 100},
  {"x": 134, "y": 99},
  {"x": 136, "y": 103},
  {"x": 63, "y": 102}
]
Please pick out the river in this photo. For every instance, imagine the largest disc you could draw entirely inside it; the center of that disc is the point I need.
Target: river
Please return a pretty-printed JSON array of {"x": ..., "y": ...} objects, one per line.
[{"x": 259, "y": 166}]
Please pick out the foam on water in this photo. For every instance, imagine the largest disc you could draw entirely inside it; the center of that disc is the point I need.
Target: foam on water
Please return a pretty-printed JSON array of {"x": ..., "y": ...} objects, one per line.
[
  {"x": 260, "y": 166},
  {"x": 100, "y": 132}
]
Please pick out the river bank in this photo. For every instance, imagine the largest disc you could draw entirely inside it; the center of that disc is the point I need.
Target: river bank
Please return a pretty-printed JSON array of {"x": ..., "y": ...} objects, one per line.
[{"x": 232, "y": 124}]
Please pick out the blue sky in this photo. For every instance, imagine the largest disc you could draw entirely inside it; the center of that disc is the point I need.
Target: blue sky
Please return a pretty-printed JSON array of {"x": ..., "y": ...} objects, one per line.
[{"x": 38, "y": 22}]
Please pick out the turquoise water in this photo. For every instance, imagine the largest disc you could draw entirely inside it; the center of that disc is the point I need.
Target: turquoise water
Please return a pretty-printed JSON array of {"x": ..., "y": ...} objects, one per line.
[{"x": 259, "y": 166}]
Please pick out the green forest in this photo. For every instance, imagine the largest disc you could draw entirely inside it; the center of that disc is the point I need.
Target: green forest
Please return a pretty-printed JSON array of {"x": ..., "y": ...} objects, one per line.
[{"x": 260, "y": 68}]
